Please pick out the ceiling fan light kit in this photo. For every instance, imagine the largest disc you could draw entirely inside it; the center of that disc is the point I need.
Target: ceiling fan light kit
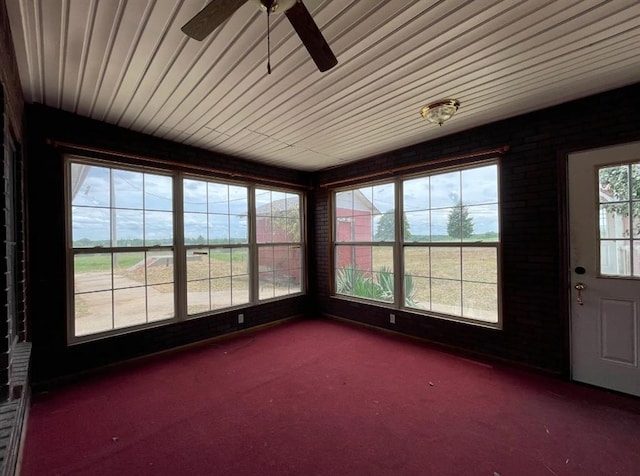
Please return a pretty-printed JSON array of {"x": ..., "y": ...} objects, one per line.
[
  {"x": 440, "y": 111},
  {"x": 218, "y": 11}
]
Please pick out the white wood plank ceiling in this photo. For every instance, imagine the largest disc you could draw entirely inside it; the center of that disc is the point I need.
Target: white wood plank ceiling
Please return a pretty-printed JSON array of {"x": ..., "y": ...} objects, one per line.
[{"x": 126, "y": 62}]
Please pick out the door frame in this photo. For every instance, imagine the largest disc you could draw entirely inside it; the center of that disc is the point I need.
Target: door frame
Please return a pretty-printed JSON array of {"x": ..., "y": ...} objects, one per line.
[{"x": 564, "y": 243}]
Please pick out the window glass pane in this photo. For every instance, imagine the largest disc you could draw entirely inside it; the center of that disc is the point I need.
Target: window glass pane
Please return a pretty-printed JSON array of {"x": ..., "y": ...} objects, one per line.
[
  {"x": 417, "y": 261},
  {"x": 93, "y": 312},
  {"x": 614, "y": 220},
  {"x": 480, "y": 185},
  {"x": 92, "y": 272},
  {"x": 160, "y": 302},
  {"x": 382, "y": 258},
  {"x": 445, "y": 190},
  {"x": 158, "y": 266},
  {"x": 384, "y": 197},
  {"x": 238, "y": 200},
  {"x": 91, "y": 227},
  {"x": 278, "y": 217},
  {"x": 363, "y": 201},
  {"x": 217, "y": 198},
  {"x": 129, "y": 269},
  {"x": 218, "y": 229},
  {"x": 240, "y": 294},
  {"x": 439, "y": 224},
  {"x": 480, "y": 301},
  {"x": 194, "y": 195},
  {"x": 128, "y": 228},
  {"x": 158, "y": 192},
  {"x": 158, "y": 228},
  {"x": 219, "y": 262},
  {"x": 238, "y": 229},
  {"x": 240, "y": 262},
  {"x": 635, "y": 181},
  {"x": 445, "y": 262},
  {"x": 195, "y": 229},
  {"x": 127, "y": 189},
  {"x": 446, "y": 296},
  {"x": 384, "y": 226},
  {"x": 636, "y": 258},
  {"x": 636, "y": 219},
  {"x": 197, "y": 264},
  {"x": 220, "y": 293},
  {"x": 415, "y": 194},
  {"x": 480, "y": 265},
  {"x": 198, "y": 299},
  {"x": 417, "y": 292},
  {"x": 417, "y": 226},
  {"x": 614, "y": 183},
  {"x": 615, "y": 257},
  {"x": 344, "y": 203},
  {"x": 90, "y": 185},
  {"x": 129, "y": 307},
  {"x": 482, "y": 223}
]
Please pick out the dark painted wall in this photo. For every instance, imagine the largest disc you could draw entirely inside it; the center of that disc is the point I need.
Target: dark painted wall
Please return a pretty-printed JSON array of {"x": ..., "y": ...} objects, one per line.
[
  {"x": 532, "y": 193},
  {"x": 11, "y": 128},
  {"x": 52, "y": 358}
]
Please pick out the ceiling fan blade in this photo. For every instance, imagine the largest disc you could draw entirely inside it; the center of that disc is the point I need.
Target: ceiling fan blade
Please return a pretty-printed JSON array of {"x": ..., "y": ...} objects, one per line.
[
  {"x": 311, "y": 37},
  {"x": 210, "y": 18}
]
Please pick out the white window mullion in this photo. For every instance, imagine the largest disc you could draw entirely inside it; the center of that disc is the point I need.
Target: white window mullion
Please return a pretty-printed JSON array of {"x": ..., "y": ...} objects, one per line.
[
  {"x": 397, "y": 248},
  {"x": 254, "y": 276},
  {"x": 179, "y": 251}
]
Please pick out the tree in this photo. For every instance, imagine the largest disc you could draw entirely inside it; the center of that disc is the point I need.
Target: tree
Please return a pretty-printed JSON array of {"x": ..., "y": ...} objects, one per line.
[
  {"x": 459, "y": 223},
  {"x": 386, "y": 227}
]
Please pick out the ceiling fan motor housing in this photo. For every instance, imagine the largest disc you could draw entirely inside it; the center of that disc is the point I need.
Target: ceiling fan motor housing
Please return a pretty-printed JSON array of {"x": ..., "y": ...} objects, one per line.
[{"x": 274, "y": 6}]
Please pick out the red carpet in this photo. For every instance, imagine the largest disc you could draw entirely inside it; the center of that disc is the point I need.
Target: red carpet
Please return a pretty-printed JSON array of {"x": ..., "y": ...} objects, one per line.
[{"x": 324, "y": 398}]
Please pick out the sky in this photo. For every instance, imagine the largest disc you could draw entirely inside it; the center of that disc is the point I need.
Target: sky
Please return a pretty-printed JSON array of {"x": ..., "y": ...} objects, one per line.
[
  {"x": 143, "y": 203},
  {"x": 427, "y": 201},
  {"x": 221, "y": 209}
]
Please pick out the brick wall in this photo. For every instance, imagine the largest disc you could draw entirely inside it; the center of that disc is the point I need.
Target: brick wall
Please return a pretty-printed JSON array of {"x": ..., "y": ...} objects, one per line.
[
  {"x": 533, "y": 207},
  {"x": 52, "y": 358}
]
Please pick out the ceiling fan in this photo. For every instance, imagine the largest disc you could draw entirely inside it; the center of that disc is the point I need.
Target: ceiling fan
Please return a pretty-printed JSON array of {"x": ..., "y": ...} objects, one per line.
[{"x": 216, "y": 12}]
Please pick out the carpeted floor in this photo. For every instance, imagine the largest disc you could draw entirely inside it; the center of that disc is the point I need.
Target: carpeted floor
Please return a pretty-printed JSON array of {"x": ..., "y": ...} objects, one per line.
[{"x": 319, "y": 397}]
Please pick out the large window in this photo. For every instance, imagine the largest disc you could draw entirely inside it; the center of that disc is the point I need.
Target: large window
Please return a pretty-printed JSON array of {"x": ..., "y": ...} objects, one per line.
[
  {"x": 364, "y": 236},
  {"x": 131, "y": 269},
  {"x": 440, "y": 229}
]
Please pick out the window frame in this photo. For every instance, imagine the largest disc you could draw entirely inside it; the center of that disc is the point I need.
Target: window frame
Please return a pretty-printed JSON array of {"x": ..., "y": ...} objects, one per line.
[
  {"x": 178, "y": 248},
  {"x": 400, "y": 245}
]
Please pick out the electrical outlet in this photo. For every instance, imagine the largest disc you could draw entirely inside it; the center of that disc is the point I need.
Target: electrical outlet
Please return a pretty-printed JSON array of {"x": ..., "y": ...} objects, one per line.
[
  {"x": 240, "y": 318},
  {"x": 392, "y": 318}
]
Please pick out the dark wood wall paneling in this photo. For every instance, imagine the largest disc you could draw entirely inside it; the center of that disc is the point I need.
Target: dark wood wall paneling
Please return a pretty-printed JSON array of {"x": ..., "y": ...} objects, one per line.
[
  {"x": 52, "y": 358},
  {"x": 533, "y": 207}
]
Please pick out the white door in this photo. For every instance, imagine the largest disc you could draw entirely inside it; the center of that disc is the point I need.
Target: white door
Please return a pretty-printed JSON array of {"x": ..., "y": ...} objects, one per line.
[{"x": 604, "y": 219}]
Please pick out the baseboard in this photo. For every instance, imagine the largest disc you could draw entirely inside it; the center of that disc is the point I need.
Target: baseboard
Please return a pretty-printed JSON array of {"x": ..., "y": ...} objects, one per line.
[
  {"x": 452, "y": 349},
  {"x": 45, "y": 385}
]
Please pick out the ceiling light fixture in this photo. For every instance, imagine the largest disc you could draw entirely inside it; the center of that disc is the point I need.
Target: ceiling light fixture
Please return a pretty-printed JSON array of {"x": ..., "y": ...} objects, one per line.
[{"x": 440, "y": 111}]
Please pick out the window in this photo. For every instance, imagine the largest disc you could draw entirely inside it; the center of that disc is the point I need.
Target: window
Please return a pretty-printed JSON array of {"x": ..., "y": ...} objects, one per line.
[
  {"x": 216, "y": 236},
  {"x": 619, "y": 220},
  {"x": 364, "y": 237},
  {"x": 131, "y": 270},
  {"x": 444, "y": 239}
]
